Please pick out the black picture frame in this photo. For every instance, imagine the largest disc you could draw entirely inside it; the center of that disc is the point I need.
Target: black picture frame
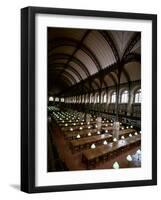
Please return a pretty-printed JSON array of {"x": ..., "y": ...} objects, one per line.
[{"x": 28, "y": 98}]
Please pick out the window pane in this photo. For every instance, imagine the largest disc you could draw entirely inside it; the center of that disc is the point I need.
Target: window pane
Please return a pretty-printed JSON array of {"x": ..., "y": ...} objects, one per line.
[
  {"x": 137, "y": 98},
  {"x": 113, "y": 97},
  {"x": 124, "y": 97}
]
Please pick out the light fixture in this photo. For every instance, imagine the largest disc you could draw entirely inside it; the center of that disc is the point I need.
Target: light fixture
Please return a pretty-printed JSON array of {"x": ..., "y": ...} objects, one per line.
[
  {"x": 81, "y": 123},
  {"x": 122, "y": 137},
  {"x": 105, "y": 142},
  {"x": 98, "y": 132},
  {"x": 78, "y": 136},
  {"x": 89, "y": 127},
  {"x": 136, "y": 133},
  {"x": 80, "y": 128},
  {"x": 129, "y": 158},
  {"x": 127, "y": 127},
  {"x": 66, "y": 124},
  {"x": 138, "y": 151},
  {"x": 122, "y": 128},
  {"x": 106, "y": 131},
  {"x": 131, "y": 126},
  {"x": 114, "y": 140},
  {"x": 138, "y": 154},
  {"x": 51, "y": 99},
  {"x": 93, "y": 146},
  {"x": 71, "y": 129},
  {"x": 89, "y": 134},
  {"x": 130, "y": 135},
  {"x": 116, "y": 165}
]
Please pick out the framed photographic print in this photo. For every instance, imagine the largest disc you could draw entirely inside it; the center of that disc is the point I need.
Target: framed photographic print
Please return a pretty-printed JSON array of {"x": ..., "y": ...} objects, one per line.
[{"x": 88, "y": 99}]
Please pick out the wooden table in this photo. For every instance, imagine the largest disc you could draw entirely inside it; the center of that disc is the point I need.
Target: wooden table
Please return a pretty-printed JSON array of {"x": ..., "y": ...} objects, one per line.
[
  {"x": 92, "y": 156},
  {"x": 79, "y": 144},
  {"x": 71, "y": 135},
  {"x": 86, "y": 142}
]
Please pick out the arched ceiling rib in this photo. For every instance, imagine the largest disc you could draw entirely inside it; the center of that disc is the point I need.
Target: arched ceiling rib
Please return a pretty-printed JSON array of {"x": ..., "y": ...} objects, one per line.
[
  {"x": 75, "y": 51},
  {"x": 134, "y": 70},
  {"x": 121, "y": 40},
  {"x": 132, "y": 42},
  {"x": 79, "y": 69},
  {"x": 70, "y": 68},
  {"x": 87, "y": 61},
  {"x": 110, "y": 80},
  {"x": 101, "y": 48},
  {"x": 66, "y": 74},
  {"x": 75, "y": 55},
  {"x": 65, "y": 57},
  {"x": 65, "y": 48},
  {"x": 137, "y": 47},
  {"x": 60, "y": 42}
]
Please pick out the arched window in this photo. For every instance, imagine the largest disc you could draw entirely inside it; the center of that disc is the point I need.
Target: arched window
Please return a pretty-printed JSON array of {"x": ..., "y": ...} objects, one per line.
[
  {"x": 91, "y": 98},
  {"x": 80, "y": 99},
  {"x": 87, "y": 99},
  {"x": 62, "y": 99},
  {"x": 57, "y": 99},
  {"x": 125, "y": 96},
  {"x": 83, "y": 98},
  {"x": 96, "y": 98},
  {"x": 113, "y": 97},
  {"x": 51, "y": 99},
  {"x": 137, "y": 98},
  {"x": 104, "y": 100}
]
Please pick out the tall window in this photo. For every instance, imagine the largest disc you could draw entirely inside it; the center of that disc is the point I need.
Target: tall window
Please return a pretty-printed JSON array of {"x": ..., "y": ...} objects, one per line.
[
  {"x": 83, "y": 98},
  {"x": 87, "y": 99},
  {"x": 62, "y": 99},
  {"x": 104, "y": 98},
  {"x": 97, "y": 98},
  {"x": 80, "y": 99},
  {"x": 137, "y": 98},
  {"x": 125, "y": 97},
  {"x": 113, "y": 97},
  {"x": 56, "y": 99},
  {"x": 91, "y": 98},
  {"x": 51, "y": 99}
]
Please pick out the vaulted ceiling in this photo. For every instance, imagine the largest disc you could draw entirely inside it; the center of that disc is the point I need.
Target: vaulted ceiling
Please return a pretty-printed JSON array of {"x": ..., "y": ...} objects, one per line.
[{"x": 91, "y": 58}]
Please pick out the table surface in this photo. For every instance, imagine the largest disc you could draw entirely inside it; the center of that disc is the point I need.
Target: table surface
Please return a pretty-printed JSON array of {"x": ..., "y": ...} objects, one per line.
[
  {"x": 105, "y": 149},
  {"x": 93, "y": 139}
]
